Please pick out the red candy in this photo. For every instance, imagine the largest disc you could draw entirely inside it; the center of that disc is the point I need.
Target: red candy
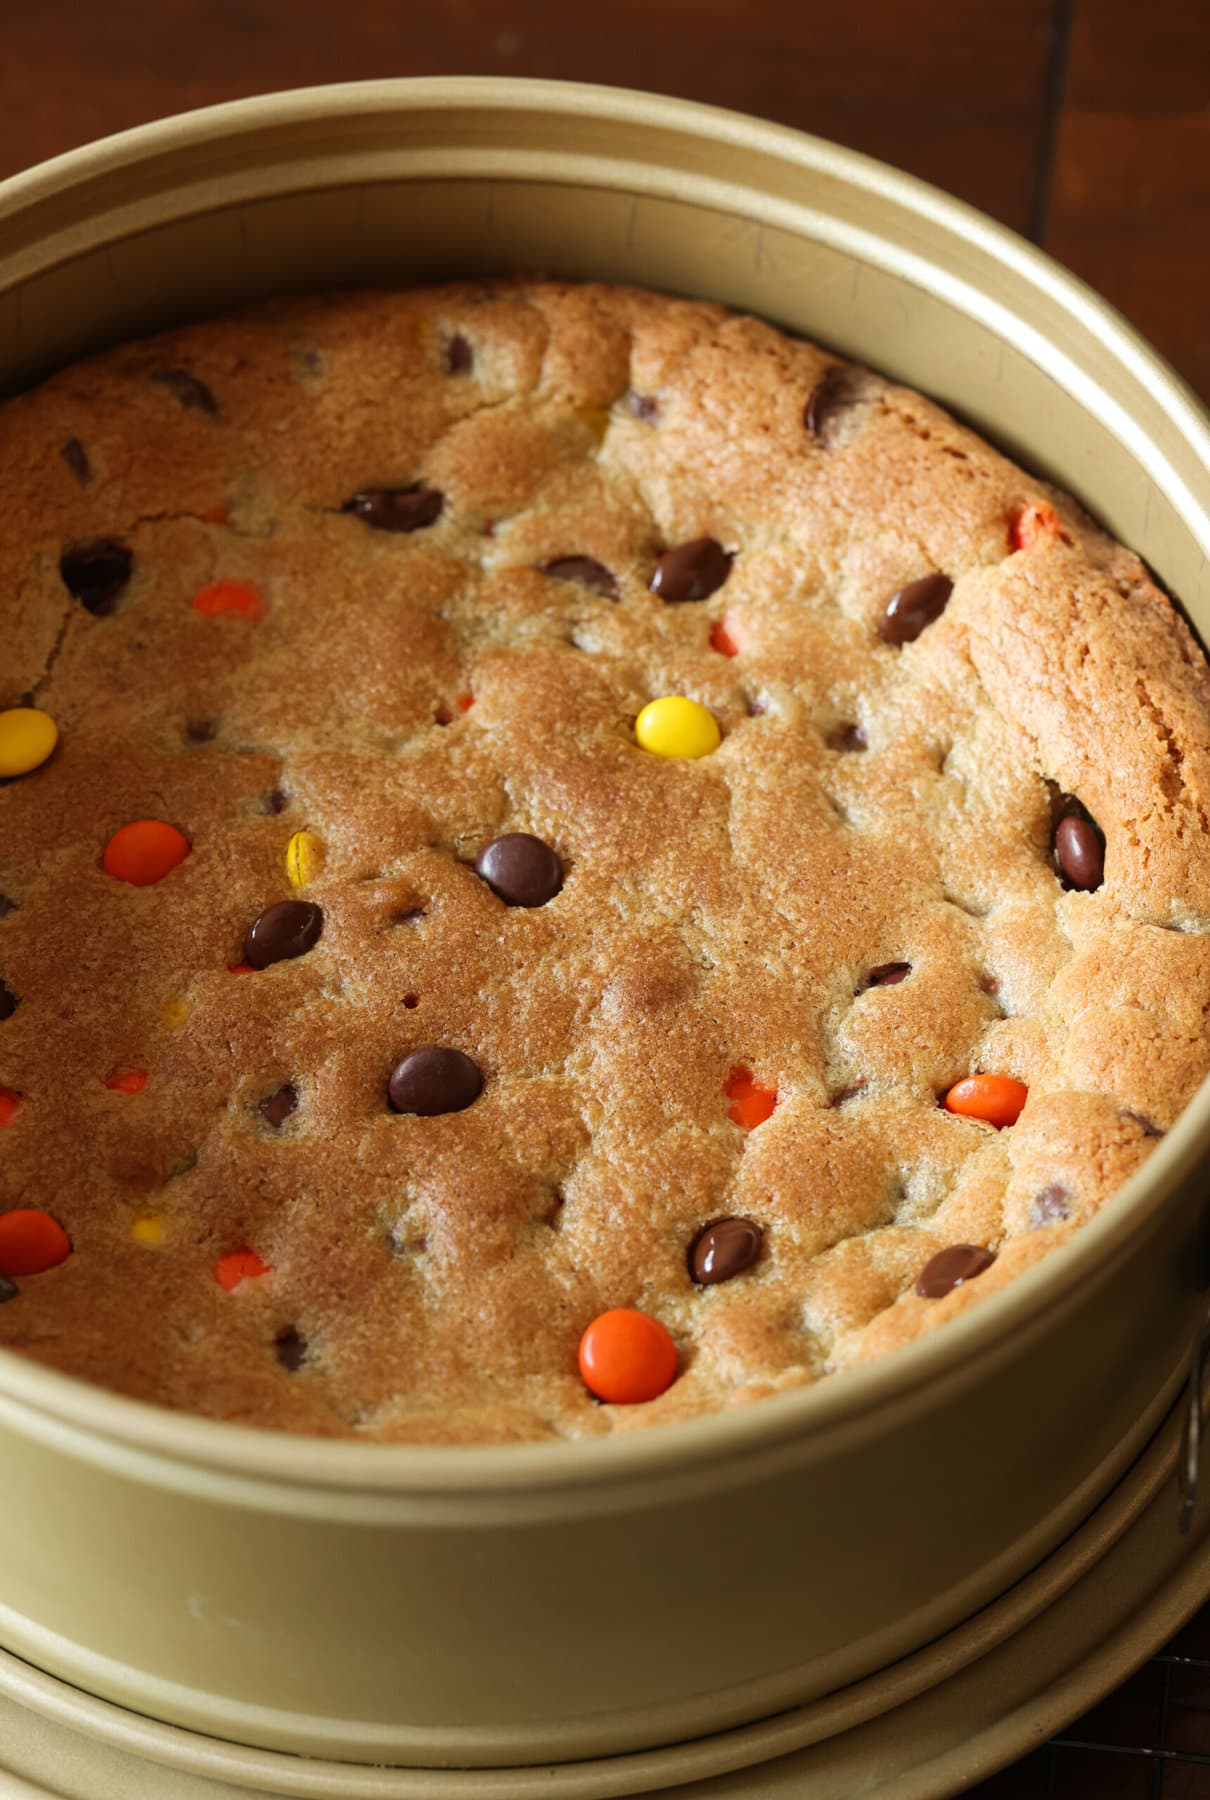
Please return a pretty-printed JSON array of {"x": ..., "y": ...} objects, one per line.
[
  {"x": 239, "y": 969},
  {"x": 11, "y": 1103},
  {"x": 31, "y": 1242},
  {"x": 465, "y": 702},
  {"x": 230, "y": 597},
  {"x": 627, "y": 1357},
  {"x": 726, "y": 638},
  {"x": 237, "y": 1266},
  {"x": 129, "y": 1081},
  {"x": 751, "y": 1104},
  {"x": 143, "y": 852}
]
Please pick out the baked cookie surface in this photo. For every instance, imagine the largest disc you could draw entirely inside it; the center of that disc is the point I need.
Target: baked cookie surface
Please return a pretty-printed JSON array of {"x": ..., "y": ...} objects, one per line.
[{"x": 342, "y": 592}]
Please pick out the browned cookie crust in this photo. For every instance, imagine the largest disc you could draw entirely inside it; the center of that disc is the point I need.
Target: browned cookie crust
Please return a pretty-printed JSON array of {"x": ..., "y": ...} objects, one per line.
[{"x": 871, "y": 804}]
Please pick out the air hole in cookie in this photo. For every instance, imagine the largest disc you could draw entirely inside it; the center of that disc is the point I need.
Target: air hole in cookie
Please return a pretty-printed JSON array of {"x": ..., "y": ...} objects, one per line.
[
  {"x": 277, "y": 801},
  {"x": 967, "y": 906},
  {"x": 407, "y": 915},
  {"x": 6, "y": 905},
  {"x": 200, "y": 731},
  {"x": 290, "y": 1348},
  {"x": 411, "y": 1001},
  {"x": 9, "y": 1002},
  {"x": 277, "y": 1107},
  {"x": 76, "y": 458},
  {"x": 554, "y": 1209},
  {"x": 460, "y": 358},
  {"x": 840, "y": 1095},
  {"x": 1147, "y": 1126}
]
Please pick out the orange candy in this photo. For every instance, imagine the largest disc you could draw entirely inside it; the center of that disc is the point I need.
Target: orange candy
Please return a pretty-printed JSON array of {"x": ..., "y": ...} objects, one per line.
[
  {"x": 751, "y": 1104},
  {"x": 726, "y": 639},
  {"x": 465, "y": 702},
  {"x": 144, "y": 852},
  {"x": 11, "y": 1103},
  {"x": 239, "y": 968},
  {"x": 230, "y": 597},
  {"x": 996, "y": 1098},
  {"x": 1035, "y": 524},
  {"x": 237, "y": 1266},
  {"x": 627, "y": 1357},
  {"x": 214, "y": 515},
  {"x": 129, "y": 1081},
  {"x": 31, "y": 1242}
]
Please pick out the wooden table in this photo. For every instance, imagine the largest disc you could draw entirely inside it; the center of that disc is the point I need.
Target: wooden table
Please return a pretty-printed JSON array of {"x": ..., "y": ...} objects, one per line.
[{"x": 1083, "y": 123}]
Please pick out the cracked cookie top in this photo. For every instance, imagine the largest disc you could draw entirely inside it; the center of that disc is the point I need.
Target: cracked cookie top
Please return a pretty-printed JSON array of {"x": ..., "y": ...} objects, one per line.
[{"x": 598, "y": 864}]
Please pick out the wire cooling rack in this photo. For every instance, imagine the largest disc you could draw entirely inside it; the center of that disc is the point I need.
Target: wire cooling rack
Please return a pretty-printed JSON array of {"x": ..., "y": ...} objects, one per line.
[{"x": 1150, "y": 1740}]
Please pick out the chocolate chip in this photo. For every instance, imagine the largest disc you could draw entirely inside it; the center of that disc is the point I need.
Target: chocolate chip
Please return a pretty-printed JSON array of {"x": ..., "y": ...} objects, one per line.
[
  {"x": 848, "y": 737},
  {"x": 587, "y": 571},
  {"x": 434, "y": 1080},
  {"x": 1049, "y": 1206},
  {"x": 460, "y": 359},
  {"x": 411, "y": 1001},
  {"x": 1079, "y": 853},
  {"x": 947, "y": 1270},
  {"x": 724, "y": 1249},
  {"x": 277, "y": 801},
  {"x": 644, "y": 406},
  {"x": 691, "y": 571},
  {"x": 8, "y": 1002},
  {"x": 96, "y": 573},
  {"x": 888, "y": 975},
  {"x": 396, "y": 509},
  {"x": 913, "y": 607},
  {"x": 8, "y": 1289},
  {"x": 192, "y": 394},
  {"x": 276, "y": 1108},
  {"x": 76, "y": 457},
  {"x": 290, "y": 1348},
  {"x": 289, "y": 928},
  {"x": 522, "y": 870},
  {"x": 837, "y": 389}
]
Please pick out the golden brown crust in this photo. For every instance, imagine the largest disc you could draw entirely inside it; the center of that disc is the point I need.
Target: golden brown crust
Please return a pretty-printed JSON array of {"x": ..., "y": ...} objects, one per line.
[{"x": 714, "y": 913}]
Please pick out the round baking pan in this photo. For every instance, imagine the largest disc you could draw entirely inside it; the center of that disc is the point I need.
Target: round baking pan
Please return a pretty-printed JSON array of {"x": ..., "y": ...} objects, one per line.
[
  {"x": 971, "y": 1702},
  {"x": 499, "y": 1606}
]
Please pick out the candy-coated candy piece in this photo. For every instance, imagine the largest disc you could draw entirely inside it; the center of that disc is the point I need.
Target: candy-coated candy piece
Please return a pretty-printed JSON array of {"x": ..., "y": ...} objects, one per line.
[
  {"x": 175, "y": 1013},
  {"x": 436, "y": 1079},
  {"x": 675, "y": 726},
  {"x": 237, "y": 1266},
  {"x": 31, "y": 1242},
  {"x": 996, "y": 1098},
  {"x": 304, "y": 858},
  {"x": 148, "y": 1231},
  {"x": 1036, "y": 524},
  {"x": 465, "y": 702},
  {"x": 144, "y": 851},
  {"x": 288, "y": 928},
  {"x": 751, "y": 1104},
  {"x": 727, "y": 638},
  {"x": 27, "y": 737},
  {"x": 230, "y": 597},
  {"x": 522, "y": 869},
  {"x": 950, "y": 1268},
  {"x": 627, "y": 1357},
  {"x": 128, "y": 1081},
  {"x": 239, "y": 968},
  {"x": 724, "y": 1249},
  {"x": 11, "y": 1103}
]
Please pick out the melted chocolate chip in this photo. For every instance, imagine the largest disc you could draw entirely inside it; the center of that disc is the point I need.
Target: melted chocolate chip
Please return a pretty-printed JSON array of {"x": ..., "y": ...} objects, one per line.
[
  {"x": 522, "y": 870},
  {"x": 96, "y": 573},
  {"x": 836, "y": 391},
  {"x": 460, "y": 358},
  {"x": 947, "y": 1270},
  {"x": 191, "y": 393},
  {"x": 8, "y": 1002},
  {"x": 1051, "y": 1205},
  {"x": 691, "y": 571},
  {"x": 724, "y": 1249},
  {"x": 76, "y": 457},
  {"x": 914, "y": 607},
  {"x": 276, "y": 1108},
  {"x": 848, "y": 737},
  {"x": 644, "y": 406},
  {"x": 587, "y": 571},
  {"x": 290, "y": 1348},
  {"x": 888, "y": 974},
  {"x": 434, "y": 1080},
  {"x": 8, "y": 1289},
  {"x": 396, "y": 509},
  {"x": 289, "y": 928},
  {"x": 1079, "y": 852}
]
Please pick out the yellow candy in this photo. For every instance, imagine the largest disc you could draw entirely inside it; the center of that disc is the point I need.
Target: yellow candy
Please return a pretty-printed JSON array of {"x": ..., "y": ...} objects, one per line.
[
  {"x": 304, "y": 858},
  {"x": 148, "y": 1231},
  {"x": 27, "y": 737},
  {"x": 175, "y": 1013},
  {"x": 675, "y": 726}
]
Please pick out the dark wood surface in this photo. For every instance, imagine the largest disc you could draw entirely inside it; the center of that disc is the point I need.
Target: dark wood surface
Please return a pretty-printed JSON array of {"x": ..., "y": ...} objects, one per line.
[{"x": 1082, "y": 123}]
